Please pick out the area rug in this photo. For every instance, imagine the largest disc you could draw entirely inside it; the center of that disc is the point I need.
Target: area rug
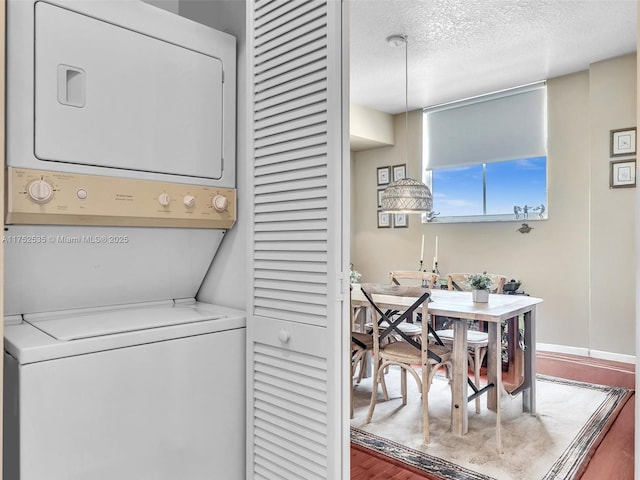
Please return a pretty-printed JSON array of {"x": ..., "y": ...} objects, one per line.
[{"x": 557, "y": 443}]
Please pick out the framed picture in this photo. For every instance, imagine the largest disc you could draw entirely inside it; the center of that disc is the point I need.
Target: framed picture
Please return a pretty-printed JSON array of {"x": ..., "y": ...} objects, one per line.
[
  {"x": 399, "y": 172},
  {"x": 380, "y": 192},
  {"x": 623, "y": 174},
  {"x": 383, "y": 175},
  {"x": 400, "y": 220},
  {"x": 383, "y": 219},
  {"x": 623, "y": 142}
]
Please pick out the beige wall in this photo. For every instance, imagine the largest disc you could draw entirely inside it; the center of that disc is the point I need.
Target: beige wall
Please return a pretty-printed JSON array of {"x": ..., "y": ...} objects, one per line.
[
  {"x": 612, "y": 219},
  {"x": 569, "y": 259}
]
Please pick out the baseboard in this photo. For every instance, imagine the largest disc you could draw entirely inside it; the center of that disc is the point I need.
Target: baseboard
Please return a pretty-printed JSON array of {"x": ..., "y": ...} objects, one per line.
[
  {"x": 614, "y": 357},
  {"x": 585, "y": 352},
  {"x": 550, "y": 347}
]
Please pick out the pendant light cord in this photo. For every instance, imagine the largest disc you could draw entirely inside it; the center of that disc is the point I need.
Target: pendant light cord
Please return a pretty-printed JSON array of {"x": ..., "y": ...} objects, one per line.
[{"x": 406, "y": 98}]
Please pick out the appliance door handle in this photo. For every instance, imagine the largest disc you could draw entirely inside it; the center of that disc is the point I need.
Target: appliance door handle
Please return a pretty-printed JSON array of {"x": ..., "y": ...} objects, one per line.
[{"x": 71, "y": 86}]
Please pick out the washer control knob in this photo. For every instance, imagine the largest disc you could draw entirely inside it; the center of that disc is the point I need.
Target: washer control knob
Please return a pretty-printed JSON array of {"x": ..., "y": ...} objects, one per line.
[
  {"x": 82, "y": 194},
  {"x": 164, "y": 199},
  {"x": 219, "y": 203},
  {"x": 189, "y": 201},
  {"x": 40, "y": 191}
]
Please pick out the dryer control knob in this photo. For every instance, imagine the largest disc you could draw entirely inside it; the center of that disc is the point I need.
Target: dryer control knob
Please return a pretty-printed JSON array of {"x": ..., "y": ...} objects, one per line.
[
  {"x": 219, "y": 203},
  {"x": 40, "y": 191},
  {"x": 189, "y": 201},
  {"x": 164, "y": 199}
]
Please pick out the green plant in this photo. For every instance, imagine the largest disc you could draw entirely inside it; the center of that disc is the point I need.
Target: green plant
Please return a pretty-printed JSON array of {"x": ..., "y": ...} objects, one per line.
[
  {"x": 354, "y": 276},
  {"x": 480, "y": 281}
]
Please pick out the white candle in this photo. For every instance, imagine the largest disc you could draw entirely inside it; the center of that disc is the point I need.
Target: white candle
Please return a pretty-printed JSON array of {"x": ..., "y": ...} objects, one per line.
[
  {"x": 422, "y": 250},
  {"x": 435, "y": 258}
]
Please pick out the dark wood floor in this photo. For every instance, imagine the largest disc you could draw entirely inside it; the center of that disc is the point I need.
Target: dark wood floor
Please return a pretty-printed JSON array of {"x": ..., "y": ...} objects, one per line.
[{"x": 612, "y": 460}]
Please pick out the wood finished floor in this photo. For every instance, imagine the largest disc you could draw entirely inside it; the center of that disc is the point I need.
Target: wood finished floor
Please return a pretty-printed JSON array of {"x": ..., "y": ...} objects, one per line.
[{"x": 614, "y": 457}]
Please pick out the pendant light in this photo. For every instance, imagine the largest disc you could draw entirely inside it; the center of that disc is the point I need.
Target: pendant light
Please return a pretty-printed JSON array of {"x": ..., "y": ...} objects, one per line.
[{"x": 406, "y": 195}]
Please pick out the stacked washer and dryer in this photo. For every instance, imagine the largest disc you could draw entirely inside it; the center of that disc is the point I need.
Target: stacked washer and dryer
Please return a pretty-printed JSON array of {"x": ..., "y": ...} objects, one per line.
[{"x": 120, "y": 187}]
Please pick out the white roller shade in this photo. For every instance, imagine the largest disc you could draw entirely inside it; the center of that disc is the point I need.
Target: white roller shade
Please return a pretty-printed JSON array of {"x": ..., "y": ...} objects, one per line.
[{"x": 503, "y": 126}]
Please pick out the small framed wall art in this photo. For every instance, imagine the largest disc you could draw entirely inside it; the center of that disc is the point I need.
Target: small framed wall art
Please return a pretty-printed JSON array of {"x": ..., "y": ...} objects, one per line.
[
  {"x": 383, "y": 219},
  {"x": 623, "y": 142},
  {"x": 400, "y": 220},
  {"x": 399, "y": 172},
  {"x": 623, "y": 174},
  {"x": 380, "y": 192},
  {"x": 384, "y": 175}
]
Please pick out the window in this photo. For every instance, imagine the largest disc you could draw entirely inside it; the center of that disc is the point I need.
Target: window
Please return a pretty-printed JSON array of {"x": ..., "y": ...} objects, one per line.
[
  {"x": 510, "y": 190},
  {"x": 485, "y": 158}
]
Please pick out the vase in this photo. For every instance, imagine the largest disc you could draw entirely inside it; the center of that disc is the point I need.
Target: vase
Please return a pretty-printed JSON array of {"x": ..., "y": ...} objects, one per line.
[{"x": 480, "y": 296}]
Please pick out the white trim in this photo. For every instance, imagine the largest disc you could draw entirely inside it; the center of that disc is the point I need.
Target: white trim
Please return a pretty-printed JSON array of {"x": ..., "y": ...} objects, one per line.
[
  {"x": 585, "y": 352},
  {"x": 614, "y": 357},
  {"x": 550, "y": 347}
]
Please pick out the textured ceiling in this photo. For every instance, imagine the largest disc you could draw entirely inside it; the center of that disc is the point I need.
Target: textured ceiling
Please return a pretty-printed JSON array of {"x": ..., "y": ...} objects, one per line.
[{"x": 462, "y": 48}]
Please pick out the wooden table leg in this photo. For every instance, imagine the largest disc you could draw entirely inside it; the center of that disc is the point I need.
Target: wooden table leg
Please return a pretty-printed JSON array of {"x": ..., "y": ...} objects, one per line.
[
  {"x": 459, "y": 395},
  {"x": 494, "y": 376},
  {"x": 529, "y": 394}
]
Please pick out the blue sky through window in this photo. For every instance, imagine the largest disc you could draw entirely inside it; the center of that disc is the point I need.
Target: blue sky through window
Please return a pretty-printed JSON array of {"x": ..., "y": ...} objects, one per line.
[{"x": 458, "y": 191}]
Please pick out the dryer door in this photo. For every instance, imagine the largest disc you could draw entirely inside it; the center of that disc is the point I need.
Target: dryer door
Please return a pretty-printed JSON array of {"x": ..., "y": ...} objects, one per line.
[{"x": 112, "y": 97}]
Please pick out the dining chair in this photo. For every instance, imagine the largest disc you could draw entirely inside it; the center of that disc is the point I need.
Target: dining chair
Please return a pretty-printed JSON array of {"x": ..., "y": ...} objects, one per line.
[
  {"x": 416, "y": 278},
  {"x": 413, "y": 277},
  {"x": 361, "y": 347},
  {"x": 477, "y": 340},
  {"x": 407, "y": 351},
  {"x": 460, "y": 282}
]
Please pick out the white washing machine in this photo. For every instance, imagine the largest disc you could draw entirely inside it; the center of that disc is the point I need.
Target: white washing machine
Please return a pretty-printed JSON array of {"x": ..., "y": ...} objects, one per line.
[{"x": 152, "y": 391}]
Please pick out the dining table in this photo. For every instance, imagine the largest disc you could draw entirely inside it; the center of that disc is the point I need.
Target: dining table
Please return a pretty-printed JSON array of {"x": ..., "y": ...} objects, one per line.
[{"x": 460, "y": 308}]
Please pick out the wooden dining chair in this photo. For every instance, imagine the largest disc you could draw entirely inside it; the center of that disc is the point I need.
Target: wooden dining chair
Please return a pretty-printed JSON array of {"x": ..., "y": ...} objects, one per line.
[
  {"x": 361, "y": 347},
  {"x": 413, "y": 277},
  {"x": 460, "y": 282},
  {"x": 407, "y": 351}
]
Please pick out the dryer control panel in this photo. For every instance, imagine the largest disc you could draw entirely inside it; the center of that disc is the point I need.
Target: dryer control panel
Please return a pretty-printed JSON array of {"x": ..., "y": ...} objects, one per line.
[{"x": 42, "y": 197}]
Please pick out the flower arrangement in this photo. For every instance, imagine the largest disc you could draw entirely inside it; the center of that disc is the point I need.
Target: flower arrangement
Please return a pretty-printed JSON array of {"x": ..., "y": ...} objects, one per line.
[
  {"x": 354, "y": 275},
  {"x": 480, "y": 281}
]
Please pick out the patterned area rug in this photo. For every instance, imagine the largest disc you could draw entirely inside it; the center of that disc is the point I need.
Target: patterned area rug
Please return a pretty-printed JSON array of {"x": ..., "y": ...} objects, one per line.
[{"x": 557, "y": 443}]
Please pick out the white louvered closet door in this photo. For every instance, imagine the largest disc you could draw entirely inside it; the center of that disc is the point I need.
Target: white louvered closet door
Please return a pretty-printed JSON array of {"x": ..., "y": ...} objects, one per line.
[{"x": 297, "y": 423}]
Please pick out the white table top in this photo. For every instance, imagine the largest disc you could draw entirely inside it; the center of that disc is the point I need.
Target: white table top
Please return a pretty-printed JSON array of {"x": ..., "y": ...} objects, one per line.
[{"x": 448, "y": 303}]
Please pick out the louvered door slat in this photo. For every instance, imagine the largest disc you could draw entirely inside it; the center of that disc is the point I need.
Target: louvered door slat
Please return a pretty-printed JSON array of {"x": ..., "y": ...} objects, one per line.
[
  {"x": 295, "y": 122},
  {"x": 295, "y": 343},
  {"x": 299, "y": 143},
  {"x": 292, "y": 174},
  {"x": 297, "y": 277},
  {"x": 288, "y": 77},
  {"x": 315, "y": 58},
  {"x": 266, "y": 419},
  {"x": 316, "y": 151},
  {"x": 291, "y": 115},
  {"x": 285, "y": 138},
  {"x": 302, "y": 204},
  {"x": 309, "y": 22},
  {"x": 277, "y": 114},
  {"x": 290, "y": 196},
  {"x": 287, "y": 14},
  {"x": 310, "y": 31},
  {"x": 263, "y": 7}
]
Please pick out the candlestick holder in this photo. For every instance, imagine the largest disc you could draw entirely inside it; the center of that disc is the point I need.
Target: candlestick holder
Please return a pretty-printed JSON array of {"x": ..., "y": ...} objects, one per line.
[
  {"x": 420, "y": 267},
  {"x": 435, "y": 268}
]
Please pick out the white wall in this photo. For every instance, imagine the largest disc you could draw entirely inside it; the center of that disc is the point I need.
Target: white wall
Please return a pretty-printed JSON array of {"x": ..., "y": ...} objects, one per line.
[
  {"x": 225, "y": 283},
  {"x": 580, "y": 261}
]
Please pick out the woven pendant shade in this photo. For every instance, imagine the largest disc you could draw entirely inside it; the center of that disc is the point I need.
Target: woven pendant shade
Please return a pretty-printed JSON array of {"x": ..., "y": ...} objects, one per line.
[{"x": 407, "y": 196}]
